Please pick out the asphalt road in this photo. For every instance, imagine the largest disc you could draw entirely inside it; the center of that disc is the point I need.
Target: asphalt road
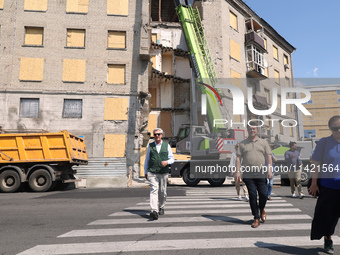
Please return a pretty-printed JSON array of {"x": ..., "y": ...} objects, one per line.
[{"x": 200, "y": 220}]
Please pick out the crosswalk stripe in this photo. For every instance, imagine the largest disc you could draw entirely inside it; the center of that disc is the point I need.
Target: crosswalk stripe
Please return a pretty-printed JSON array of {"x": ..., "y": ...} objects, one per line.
[
  {"x": 181, "y": 212},
  {"x": 182, "y": 244},
  {"x": 212, "y": 205},
  {"x": 180, "y": 229},
  {"x": 231, "y": 218},
  {"x": 210, "y": 201},
  {"x": 205, "y": 199}
]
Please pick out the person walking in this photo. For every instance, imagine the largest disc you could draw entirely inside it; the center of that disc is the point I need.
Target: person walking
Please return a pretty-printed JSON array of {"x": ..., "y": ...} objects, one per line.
[
  {"x": 294, "y": 164},
  {"x": 240, "y": 182},
  {"x": 253, "y": 151},
  {"x": 270, "y": 182},
  {"x": 156, "y": 169},
  {"x": 326, "y": 158}
]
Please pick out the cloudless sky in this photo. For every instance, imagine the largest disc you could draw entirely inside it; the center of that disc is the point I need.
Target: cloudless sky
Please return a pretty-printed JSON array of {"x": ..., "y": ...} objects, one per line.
[{"x": 312, "y": 27}]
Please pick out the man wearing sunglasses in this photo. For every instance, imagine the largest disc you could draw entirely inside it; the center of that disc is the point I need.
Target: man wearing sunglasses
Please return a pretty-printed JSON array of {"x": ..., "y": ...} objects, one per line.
[{"x": 156, "y": 168}]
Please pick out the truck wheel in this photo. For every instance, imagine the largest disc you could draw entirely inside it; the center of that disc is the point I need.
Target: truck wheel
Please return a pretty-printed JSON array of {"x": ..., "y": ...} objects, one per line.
[
  {"x": 9, "y": 181},
  {"x": 40, "y": 181},
  {"x": 304, "y": 178},
  {"x": 189, "y": 178},
  {"x": 216, "y": 182}
]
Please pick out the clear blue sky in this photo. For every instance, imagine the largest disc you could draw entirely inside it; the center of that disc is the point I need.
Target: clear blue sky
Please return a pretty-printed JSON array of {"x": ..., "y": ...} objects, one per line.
[{"x": 312, "y": 27}]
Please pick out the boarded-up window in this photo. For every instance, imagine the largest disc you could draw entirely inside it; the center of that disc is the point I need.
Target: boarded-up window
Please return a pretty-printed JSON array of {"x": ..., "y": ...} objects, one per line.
[
  {"x": 277, "y": 76},
  {"x": 74, "y": 70},
  {"x": 234, "y": 50},
  {"x": 78, "y": 6},
  {"x": 275, "y": 53},
  {"x": 152, "y": 122},
  {"x": 266, "y": 73},
  {"x": 31, "y": 69},
  {"x": 236, "y": 79},
  {"x": 118, "y": 7},
  {"x": 116, "y": 74},
  {"x": 75, "y": 38},
  {"x": 116, "y": 40},
  {"x": 114, "y": 146},
  {"x": 116, "y": 109},
  {"x": 237, "y": 119},
  {"x": 233, "y": 21},
  {"x": 1, "y": 4},
  {"x": 291, "y": 128},
  {"x": 154, "y": 38},
  {"x": 35, "y": 5},
  {"x": 167, "y": 63},
  {"x": 72, "y": 108},
  {"x": 285, "y": 59},
  {"x": 166, "y": 123},
  {"x": 267, "y": 95},
  {"x": 34, "y": 35},
  {"x": 280, "y": 127},
  {"x": 29, "y": 108}
]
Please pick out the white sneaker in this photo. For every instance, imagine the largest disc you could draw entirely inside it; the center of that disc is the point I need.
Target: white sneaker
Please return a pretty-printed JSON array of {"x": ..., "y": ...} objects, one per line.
[
  {"x": 246, "y": 198},
  {"x": 302, "y": 195},
  {"x": 239, "y": 198},
  {"x": 294, "y": 195}
]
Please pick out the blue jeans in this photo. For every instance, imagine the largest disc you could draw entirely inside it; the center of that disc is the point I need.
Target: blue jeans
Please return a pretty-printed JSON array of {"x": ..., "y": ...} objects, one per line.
[
  {"x": 255, "y": 185},
  {"x": 270, "y": 183}
]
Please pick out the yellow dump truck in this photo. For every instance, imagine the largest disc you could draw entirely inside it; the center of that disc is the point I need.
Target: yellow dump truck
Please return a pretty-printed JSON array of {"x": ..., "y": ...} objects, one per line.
[{"x": 44, "y": 160}]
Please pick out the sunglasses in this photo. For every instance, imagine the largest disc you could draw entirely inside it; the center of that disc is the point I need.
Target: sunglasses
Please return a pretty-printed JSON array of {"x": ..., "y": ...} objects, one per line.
[
  {"x": 158, "y": 134},
  {"x": 335, "y": 128}
]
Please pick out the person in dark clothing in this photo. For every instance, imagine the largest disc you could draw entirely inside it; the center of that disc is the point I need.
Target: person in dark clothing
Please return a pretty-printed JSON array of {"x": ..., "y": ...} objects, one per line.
[{"x": 326, "y": 158}]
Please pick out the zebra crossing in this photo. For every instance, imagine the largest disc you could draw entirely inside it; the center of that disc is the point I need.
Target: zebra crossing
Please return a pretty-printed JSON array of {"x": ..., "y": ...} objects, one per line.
[{"x": 204, "y": 219}]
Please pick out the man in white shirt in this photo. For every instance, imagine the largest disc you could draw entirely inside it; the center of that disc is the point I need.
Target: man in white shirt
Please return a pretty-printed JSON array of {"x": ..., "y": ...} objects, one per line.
[{"x": 156, "y": 168}]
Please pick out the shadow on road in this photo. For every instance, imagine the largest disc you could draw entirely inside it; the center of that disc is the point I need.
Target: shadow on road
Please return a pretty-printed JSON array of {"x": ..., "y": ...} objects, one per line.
[{"x": 286, "y": 249}]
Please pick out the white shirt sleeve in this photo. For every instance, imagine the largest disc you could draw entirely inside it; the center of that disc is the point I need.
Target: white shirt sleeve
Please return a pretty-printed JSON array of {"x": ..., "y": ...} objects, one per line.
[
  {"x": 146, "y": 162},
  {"x": 171, "y": 158}
]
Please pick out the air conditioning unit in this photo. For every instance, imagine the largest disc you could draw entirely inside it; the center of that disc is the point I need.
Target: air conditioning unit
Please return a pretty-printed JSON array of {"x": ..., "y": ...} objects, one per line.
[{"x": 286, "y": 66}]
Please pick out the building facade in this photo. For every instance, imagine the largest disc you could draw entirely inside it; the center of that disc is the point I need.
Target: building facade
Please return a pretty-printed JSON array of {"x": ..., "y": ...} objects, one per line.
[
  {"x": 324, "y": 104},
  {"x": 111, "y": 71},
  {"x": 80, "y": 66},
  {"x": 246, "y": 51}
]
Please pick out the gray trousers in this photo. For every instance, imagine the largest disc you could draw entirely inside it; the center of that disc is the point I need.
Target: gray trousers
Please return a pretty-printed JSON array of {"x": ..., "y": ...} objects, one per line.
[{"x": 158, "y": 185}]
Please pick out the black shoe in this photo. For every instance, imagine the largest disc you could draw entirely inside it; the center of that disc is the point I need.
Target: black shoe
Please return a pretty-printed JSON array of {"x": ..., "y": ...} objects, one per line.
[
  {"x": 328, "y": 246},
  {"x": 161, "y": 211},
  {"x": 154, "y": 215}
]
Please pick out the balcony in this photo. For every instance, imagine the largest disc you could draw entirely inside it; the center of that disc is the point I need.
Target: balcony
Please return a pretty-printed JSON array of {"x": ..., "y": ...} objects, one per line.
[{"x": 253, "y": 37}]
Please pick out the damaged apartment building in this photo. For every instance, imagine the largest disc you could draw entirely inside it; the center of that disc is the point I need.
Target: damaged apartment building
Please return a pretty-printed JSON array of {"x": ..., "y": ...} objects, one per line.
[
  {"x": 246, "y": 52},
  {"x": 80, "y": 66},
  {"x": 111, "y": 71}
]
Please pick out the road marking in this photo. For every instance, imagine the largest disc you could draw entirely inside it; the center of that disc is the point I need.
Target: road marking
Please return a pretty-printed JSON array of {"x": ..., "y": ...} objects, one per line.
[
  {"x": 211, "y": 205},
  {"x": 180, "y": 229},
  {"x": 210, "y": 197},
  {"x": 231, "y": 218},
  {"x": 177, "y": 244},
  {"x": 209, "y": 201},
  {"x": 181, "y": 212}
]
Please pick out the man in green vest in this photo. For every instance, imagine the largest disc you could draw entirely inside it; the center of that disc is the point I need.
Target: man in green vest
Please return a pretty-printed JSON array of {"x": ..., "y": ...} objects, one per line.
[{"x": 156, "y": 168}]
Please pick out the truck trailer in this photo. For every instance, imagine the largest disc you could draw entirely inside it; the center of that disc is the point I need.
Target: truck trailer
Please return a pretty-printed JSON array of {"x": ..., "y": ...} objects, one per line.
[{"x": 44, "y": 160}]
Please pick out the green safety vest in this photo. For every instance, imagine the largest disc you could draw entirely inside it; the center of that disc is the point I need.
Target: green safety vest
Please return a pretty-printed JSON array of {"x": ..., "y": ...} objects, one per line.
[{"x": 156, "y": 159}]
